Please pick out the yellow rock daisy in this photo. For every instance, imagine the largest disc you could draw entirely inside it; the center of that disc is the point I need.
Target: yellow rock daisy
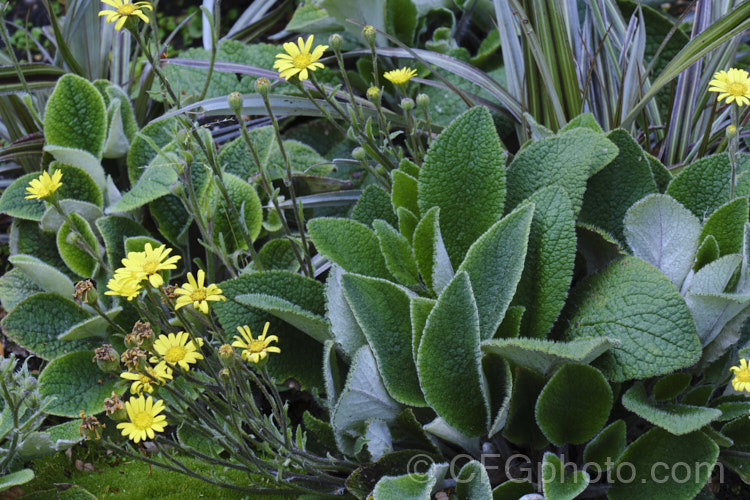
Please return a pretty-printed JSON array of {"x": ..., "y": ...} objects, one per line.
[
  {"x": 732, "y": 85},
  {"x": 124, "y": 11},
  {"x": 145, "y": 418},
  {"x": 193, "y": 292},
  {"x": 400, "y": 76},
  {"x": 177, "y": 350},
  {"x": 44, "y": 186},
  {"x": 157, "y": 375},
  {"x": 124, "y": 286},
  {"x": 150, "y": 263},
  {"x": 741, "y": 380},
  {"x": 299, "y": 59},
  {"x": 255, "y": 350}
]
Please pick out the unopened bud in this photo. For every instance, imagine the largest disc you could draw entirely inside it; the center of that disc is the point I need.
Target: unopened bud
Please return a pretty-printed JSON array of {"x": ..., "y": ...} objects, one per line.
[
  {"x": 423, "y": 101},
  {"x": 373, "y": 94},
  {"x": 335, "y": 41},
  {"x": 731, "y": 131},
  {"x": 262, "y": 85},
  {"x": 407, "y": 103},
  {"x": 235, "y": 102},
  {"x": 359, "y": 154},
  {"x": 226, "y": 356},
  {"x": 225, "y": 375},
  {"x": 369, "y": 34}
]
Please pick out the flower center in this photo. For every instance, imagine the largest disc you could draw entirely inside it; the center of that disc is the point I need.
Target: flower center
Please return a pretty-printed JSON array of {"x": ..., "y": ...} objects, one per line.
[
  {"x": 175, "y": 354},
  {"x": 127, "y": 9},
  {"x": 143, "y": 420},
  {"x": 737, "y": 89},
  {"x": 743, "y": 376},
  {"x": 199, "y": 295},
  {"x": 256, "y": 346},
  {"x": 302, "y": 60},
  {"x": 150, "y": 267}
]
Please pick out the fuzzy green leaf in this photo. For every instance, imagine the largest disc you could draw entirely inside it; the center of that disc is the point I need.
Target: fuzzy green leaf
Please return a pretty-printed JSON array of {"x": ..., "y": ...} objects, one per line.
[
  {"x": 382, "y": 311},
  {"x": 671, "y": 386},
  {"x": 500, "y": 387},
  {"x": 450, "y": 371},
  {"x": 429, "y": 250},
  {"x": 20, "y": 477},
  {"x": 404, "y": 191},
  {"x": 420, "y": 309},
  {"x": 556, "y": 485},
  {"x": 463, "y": 174},
  {"x": 171, "y": 218},
  {"x": 95, "y": 326},
  {"x": 726, "y": 225},
  {"x": 472, "y": 482},
  {"x": 521, "y": 426},
  {"x": 227, "y": 226},
  {"x": 141, "y": 152},
  {"x": 350, "y": 244},
  {"x": 312, "y": 324},
  {"x": 399, "y": 256},
  {"x": 77, "y": 383},
  {"x": 80, "y": 159},
  {"x": 13, "y": 202},
  {"x": 44, "y": 275},
  {"x": 633, "y": 302},
  {"x": 115, "y": 230},
  {"x": 513, "y": 489},
  {"x": 707, "y": 252},
  {"x": 154, "y": 183},
  {"x": 71, "y": 251},
  {"x": 374, "y": 203},
  {"x": 607, "y": 446},
  {"x": 407, "y": 223},
  {"x": 26, "y": 237},
  {"x": 703, "y": 186},
  {"x": 344, "y": 325},
  {"x": 53, "y": 221},
  {"x": 39, "y": 332},
  {"x": 75, "y": 116},
  {"x": 654, "y": 455},
  {"x": 15, "y": 286}
]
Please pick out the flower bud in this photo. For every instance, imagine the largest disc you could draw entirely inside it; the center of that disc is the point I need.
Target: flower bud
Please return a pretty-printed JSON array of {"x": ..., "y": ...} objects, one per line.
[
  {"x": 423, "y": 101},
  {"x": 335, "y": 41},
  {"x": 359, "y": 154},
  {"x": 107, "y": 359},
  {"x": 373, "y": 95},
  {"x": 369, "y": 34},
  {"x": 235, "y": 102},
  {"x": 226, "y": 356},
  {"x": 262, "y": 85},
  {"x": 225, "y": 375},
  {"x": 731, "y": 131},
  {"x": 407, "y": 103}
]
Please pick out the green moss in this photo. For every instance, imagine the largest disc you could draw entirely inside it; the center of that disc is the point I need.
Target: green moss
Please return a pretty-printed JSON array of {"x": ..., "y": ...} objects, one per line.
[{"x": 126, "y": 478}]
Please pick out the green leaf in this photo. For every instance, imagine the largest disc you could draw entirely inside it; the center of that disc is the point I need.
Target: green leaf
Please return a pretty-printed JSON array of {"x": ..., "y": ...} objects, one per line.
[
  {"x": 350, "y": 244},
  {"x": 500, "y": 387},
  {"x": 678, "y": 419},
  {"x": 141, "y": 153},
  {"x": 374, "y": 203},
  {"x": 364, "y": 397},
  {"x": 13, "y": 202},
  {"x": 574, "y": 405},
  {"x": 407, "y": 223},
  {"x": 584, "y": 120},
  {"x": 382, "y": 311},
  {"x": 420, "y": 309},
  {"x": 671, "y": 386},
  {"x": 301, "y": 355},
  {"x": 129, "y": 124},
  {"x": 633, "y": 302},
  {"x": 400, "y": 19},
  {"x": 511, "y": 325},
  {"x": 15, "y": 286},
  {"x": 82, "y": 159},
  {"x": 75, "y": 116},
  {"x": 463, "y": 174},
  {"x": 556, "y": 485},
  {"x": 662, "y": 175},
  {"x": 472, "y": 482},
  {"x": 312, "y": 324},
  {"x": 77, "y": 184},
  {"x": 68, "y": 244},
  {"x": 707, "y": 252},
  {"x": 399, "y": 256},
  {"x": 226, "y": 225},
  {"x": 53, "y": 221},
  {"x": 404, "y": 191},
  {"x": 407, "y": 487},
  {"x": 521, "y": 426},
  {"x": 278, "y": 255},
  {"x": 454, "y": 317},
  {"x": 607, "y": 446},
  {"x": 548, "y": 268},
  {"x": 513, "y": 489},
  {"x": 566, "y": 160},
  {"x": 494, "y": 264},
  {"x": 77, "y": 383},
  {"x": 38, "y": 332},
  {"x": 44, "y": 275},
  {"x": 18, "y": 478},
  {"x": 727, "y": 225},
  {"x": 703, "y": 186},
  {"x": 95, "y": 326},
  {"x": 432, "y": 258},
  {"x": 344, "y": 326},
  {"x": 154, "y": 183},
  {"x": 653, "y": 455},
  {"x": 27, "y": 238},
  {"x": 543, "y": 356},
  {"x": 171, "y": 218},
  {"x": 115, "y": 230},
  {"x": 663, "y": 233}
]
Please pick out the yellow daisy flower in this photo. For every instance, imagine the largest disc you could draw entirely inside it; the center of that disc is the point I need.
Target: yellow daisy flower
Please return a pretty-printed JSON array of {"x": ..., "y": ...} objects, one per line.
[
  {"x": 146, "y": 381},
  {"x": 125, "y": 10},
  {"x": 150, "y": 263},
  {"x": 732, "y": 85},
  {"x": 145, "y": 418},
  {"x": 741, "y": 380},
  {"x": 44, "y": 186},
  {"x": 400, "y": 76},
  {"x": 193, "y": 292},
  {"x": 177, "y": 350},
  {"x": 255, "y": 350},
  {"x": 299, "y": 59},
  {"x": 124, "y": 286}
]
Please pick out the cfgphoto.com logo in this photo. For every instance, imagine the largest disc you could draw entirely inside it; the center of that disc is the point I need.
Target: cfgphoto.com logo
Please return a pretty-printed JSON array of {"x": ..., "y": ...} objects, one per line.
[{"x": 521, "y": 467}]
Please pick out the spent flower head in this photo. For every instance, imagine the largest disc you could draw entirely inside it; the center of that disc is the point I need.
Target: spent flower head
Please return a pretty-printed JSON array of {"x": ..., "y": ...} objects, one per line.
[
  {"x": 741, "y": 380},
  {"x": 255, "y": 350},
  {"x": 90, "y": 426},
  {"x": 124, "y": 10},
  {"x": 299, "y": 59},
  {"x": 400, "y": 76},
  {"x": 44, "y": 186},
  {"x": 144, "y": 417},
  {"x": 732, "y": 85},
  {"x": 194, "y": 292}
]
